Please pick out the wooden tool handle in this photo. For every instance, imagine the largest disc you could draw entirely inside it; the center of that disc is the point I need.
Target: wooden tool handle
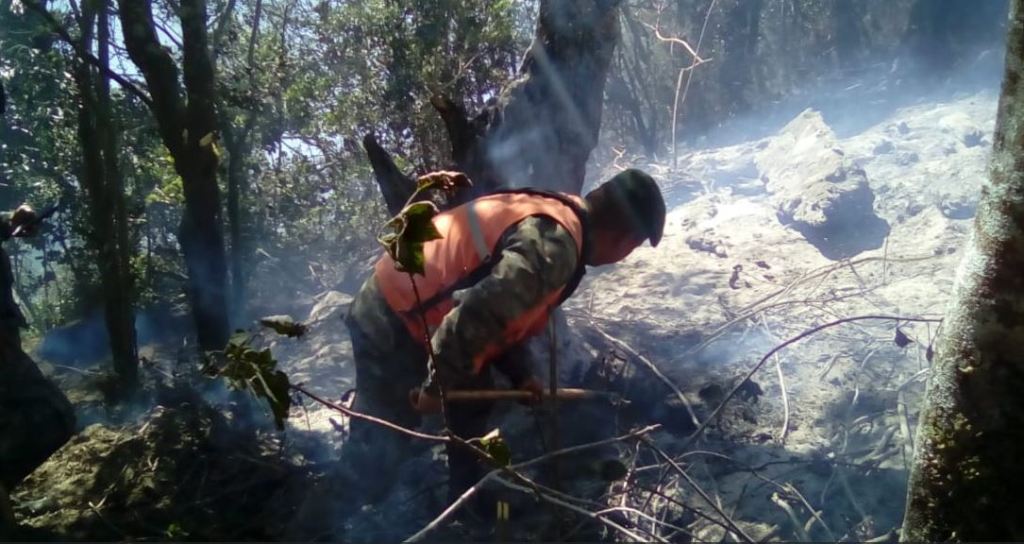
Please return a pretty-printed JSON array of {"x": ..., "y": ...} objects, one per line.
[{"x": 471, "y": 395}]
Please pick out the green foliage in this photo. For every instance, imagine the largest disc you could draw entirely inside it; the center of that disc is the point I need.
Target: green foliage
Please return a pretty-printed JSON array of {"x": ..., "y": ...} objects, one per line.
[
  {"x": 317, "y": 77},
  {"x": 175, "y": 531},
  {"x": 446, "y": 182},
  {"x": 496, "y": 446},
  {"x": 254, "y": 370},
  {"x": 409, "y": 230},
  {"x": 171, "y": 193}
]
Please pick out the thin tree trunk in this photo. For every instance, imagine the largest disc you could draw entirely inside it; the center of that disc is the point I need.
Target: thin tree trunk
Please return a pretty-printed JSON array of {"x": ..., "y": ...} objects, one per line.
[
  {"x": 238, "y": 144},
  {"x": 104, "y": 189},
  {"x": 236, "y": 160},
  {"x": 118, "y": 285},
  {"x": 967, "y": 472}
]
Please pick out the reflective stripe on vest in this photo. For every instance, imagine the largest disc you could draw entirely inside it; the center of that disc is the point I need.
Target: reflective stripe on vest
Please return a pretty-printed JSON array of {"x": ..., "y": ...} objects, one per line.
[
  {"x": 477, "y": 232},
  {"x": 470, "y": 233}
]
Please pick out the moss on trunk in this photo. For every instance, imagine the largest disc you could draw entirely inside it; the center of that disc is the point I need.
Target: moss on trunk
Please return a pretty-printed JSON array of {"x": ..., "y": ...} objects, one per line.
[{"x": 967, "y": 471}]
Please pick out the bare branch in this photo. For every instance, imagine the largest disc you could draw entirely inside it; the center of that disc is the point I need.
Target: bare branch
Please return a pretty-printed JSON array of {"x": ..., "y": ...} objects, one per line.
[
  {"x": 652, "y": 367},
  {"x": 676, "y": 102},
  {"x": 377, "y": 421},
  {"x": 586, "y": 513},
  {"x": 809, "y": 332},
  {"x": 461, "y": 501},
  {"x": 700, "y": 491},
  {"x": 672, "y": 39}
]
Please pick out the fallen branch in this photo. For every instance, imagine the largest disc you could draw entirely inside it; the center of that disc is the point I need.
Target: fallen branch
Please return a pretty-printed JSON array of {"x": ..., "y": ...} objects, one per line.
[
  {"x": 797, "y": 526},
  {"x": 782, "y": 385},
  {"x": 700, "y": 491},
  {"x": 651, "y": 366},
  {"x": 681, "y": 504},
  {"x": 375, "y": 420},
  {"x": 754, "y": 308},
  {"x": 461, "y": 501},
  {"x": 809, "y": 332},
  {"x": 585, "y": 513},
  {"x": 648, "y": 517},
  {"x": 908, "y": 438},
  {"x": 755, "y": 471}
]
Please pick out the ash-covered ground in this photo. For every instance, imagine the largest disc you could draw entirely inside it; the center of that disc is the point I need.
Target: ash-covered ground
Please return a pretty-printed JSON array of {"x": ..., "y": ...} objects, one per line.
[{"x": 764, "y": 239}]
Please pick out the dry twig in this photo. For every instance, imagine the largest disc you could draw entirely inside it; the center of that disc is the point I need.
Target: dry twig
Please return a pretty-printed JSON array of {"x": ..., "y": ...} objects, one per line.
[
  {"x": 782, "y": 385},
  {"x": 700, "y": 491},
  {"x": 651, "y": 366},
  {"x": 676, "y": 102},
  {"x": 809, "y": 332},
  {"x": 455, "y": 506}
]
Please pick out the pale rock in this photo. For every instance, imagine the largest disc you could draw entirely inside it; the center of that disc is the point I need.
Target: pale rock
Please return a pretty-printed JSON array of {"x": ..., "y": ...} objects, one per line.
[{"x": 819, "y": 191}]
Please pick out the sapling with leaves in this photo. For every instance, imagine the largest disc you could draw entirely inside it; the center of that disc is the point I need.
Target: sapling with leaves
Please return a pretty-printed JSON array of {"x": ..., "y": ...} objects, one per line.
[{"x": 255, "y": 370}]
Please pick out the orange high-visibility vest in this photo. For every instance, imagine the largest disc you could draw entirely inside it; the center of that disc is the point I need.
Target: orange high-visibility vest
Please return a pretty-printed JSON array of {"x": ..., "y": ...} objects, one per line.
[{"x": 465, "y": 255}]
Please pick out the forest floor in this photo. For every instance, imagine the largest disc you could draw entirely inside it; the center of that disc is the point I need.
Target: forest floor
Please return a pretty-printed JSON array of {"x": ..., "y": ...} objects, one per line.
[{"x": 821, "y": 454}]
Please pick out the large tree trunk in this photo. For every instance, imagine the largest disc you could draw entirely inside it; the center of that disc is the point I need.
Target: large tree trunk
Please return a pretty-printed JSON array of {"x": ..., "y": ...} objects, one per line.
[
  {"x": 541, "y": 130},
  {"x": 104, "y": 187},
  {"x": 967, "y": 473},
  {"x": 188, "y": 123}
]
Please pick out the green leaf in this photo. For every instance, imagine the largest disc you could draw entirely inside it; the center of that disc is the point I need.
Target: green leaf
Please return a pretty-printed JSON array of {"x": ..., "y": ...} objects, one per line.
[
  {"x": 274, "y": 387},
  {"x": 283, "y": 324},
  {"x": 174, "y": 531},
  {"x": 448, "y": 182},
  {"x": 419, "y": 222},
  {"x": 246, "y": 368},
  {"x": 240, "y": 337},
  {"x": 409, "y": 257},
  {"x": 413, "y": 226},
  {"x": 495, "y": 446}
]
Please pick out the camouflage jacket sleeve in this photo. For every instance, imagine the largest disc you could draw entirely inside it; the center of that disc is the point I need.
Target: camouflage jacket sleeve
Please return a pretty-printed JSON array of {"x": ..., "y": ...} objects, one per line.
[{"x": 537, "y": 256}]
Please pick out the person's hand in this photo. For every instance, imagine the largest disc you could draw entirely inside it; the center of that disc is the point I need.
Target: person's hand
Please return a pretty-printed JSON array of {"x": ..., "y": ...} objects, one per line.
[
  {"x": 424, "y": 402},
  {"x": 23, "y": 217},
  {"x": 535, "y": 387}
]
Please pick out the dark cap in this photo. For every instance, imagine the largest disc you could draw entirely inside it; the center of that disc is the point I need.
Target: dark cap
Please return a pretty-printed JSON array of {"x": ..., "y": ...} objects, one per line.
[{"x": 640, "y": 195}]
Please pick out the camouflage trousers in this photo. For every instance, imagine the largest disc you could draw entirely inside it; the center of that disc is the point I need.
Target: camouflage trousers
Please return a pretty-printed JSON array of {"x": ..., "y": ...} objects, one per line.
[
  {"x": 35, "y": 417},
  {"x": 389, "y": 363}
]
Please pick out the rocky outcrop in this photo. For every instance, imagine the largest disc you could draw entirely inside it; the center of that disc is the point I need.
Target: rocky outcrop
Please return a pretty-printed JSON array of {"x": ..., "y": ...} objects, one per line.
[{"x": 818, "y": 190}]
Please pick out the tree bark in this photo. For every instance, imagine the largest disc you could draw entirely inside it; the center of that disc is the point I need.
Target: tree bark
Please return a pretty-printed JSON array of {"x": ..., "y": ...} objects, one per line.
[
  {"x": 104, "y": 188},
  {"x": 119, "y": 291},
  {"x": 965, "y": 482},
  {"x": 238, "y": 143},
  {"x": 187, "y": 122},
  {"x": 541, "y": 130}
]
